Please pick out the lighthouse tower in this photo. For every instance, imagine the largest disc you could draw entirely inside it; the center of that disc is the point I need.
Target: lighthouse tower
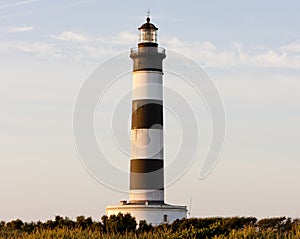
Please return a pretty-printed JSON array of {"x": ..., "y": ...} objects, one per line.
[
  {"x": 146, "y": 198},
  {"x": 146, "y": 162}
]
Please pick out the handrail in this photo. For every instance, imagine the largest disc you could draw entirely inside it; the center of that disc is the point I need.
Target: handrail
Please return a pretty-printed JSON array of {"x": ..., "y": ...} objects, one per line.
[{"x": 136, "y": 50}]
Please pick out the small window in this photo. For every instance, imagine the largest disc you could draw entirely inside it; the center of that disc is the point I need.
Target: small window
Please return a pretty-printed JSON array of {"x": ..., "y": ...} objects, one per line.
[{"x": 165, "y": 218}]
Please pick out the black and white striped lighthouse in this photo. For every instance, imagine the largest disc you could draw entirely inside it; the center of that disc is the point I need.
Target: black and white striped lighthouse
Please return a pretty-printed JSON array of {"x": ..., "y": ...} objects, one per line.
[
  {"x": 146, "y": 196},
  {"x": 147, "y": 141}
]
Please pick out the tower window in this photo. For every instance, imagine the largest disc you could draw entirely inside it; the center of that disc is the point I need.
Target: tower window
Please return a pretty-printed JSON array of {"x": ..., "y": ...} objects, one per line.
[{"x": 165, "y": 218}]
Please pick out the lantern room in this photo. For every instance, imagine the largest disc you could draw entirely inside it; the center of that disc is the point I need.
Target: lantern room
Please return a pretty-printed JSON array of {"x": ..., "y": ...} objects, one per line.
[{"x": 148, "y": 34}]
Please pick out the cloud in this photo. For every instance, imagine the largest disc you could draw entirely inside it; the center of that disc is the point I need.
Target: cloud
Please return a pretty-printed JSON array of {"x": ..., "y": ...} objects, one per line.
[
  {"x": 11, "y": 30},
  {"x": 293, "y": 48},
  {"x": 71, "y": 36},
  {"x": 91, "y": 47},
  {"x": 40, "y": 49},
  {"x": 15, "y": 4},
  {"x": 76, "y": 46},
  {"x": 208, "y": 54},
  {"x": 122, "y": 39},
  {"x": 19, "y": 29},
  {"x": 68, "y": 45},
  {"x": 31, "y": 11},
  {"x": 251, "y": 19}
]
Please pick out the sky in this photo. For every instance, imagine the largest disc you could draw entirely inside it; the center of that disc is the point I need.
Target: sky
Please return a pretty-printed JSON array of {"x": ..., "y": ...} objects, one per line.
[{"x": 250, "y": 50}]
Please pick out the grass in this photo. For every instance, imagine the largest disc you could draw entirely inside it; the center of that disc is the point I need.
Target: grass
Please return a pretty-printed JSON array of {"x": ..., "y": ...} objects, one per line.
[{"x": 76, "y": 233}]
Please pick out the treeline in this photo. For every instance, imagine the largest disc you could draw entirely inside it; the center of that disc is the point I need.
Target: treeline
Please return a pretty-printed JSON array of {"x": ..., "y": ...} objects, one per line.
[
  {"x": 114, "y": 224},
  {"x": 125, "y": 226}
]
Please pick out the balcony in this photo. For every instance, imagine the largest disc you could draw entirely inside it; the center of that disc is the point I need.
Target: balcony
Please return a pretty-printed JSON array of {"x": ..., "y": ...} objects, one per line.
[{"x": 138, "y": 50}]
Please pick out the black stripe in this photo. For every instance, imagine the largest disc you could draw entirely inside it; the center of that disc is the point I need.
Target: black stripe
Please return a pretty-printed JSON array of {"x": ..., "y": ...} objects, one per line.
[
  {"x": 146, "y": 174},
  {"x": 147, "y": 44},
  {"x": 147, "y": 114},
  {"x": 145, "y": 165},
  {"x": 148, "y": 69}
]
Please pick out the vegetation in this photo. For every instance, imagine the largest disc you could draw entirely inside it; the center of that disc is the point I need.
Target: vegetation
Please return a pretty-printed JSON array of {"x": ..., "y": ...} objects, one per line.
[{"x": 125, "y": 226}]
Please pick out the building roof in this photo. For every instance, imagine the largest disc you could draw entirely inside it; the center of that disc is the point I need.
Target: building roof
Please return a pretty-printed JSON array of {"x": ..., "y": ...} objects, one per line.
[{"x": 148, "y": 25}]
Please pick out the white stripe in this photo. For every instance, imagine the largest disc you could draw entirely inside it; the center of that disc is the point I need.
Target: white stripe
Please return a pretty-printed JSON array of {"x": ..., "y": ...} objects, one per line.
[
  {"x": 147, "y": 195},
  {"x": 147, "y": 144},
  {"x": 147, "y": 85}
]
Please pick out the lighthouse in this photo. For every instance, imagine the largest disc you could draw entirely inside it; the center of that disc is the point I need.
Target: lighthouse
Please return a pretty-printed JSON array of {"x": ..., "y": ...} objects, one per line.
[{"x": 146, "y": 192}]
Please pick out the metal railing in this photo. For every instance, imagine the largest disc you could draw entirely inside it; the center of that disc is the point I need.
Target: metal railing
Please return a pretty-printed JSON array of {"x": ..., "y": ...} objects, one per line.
[{"x": 136, "y": 50}]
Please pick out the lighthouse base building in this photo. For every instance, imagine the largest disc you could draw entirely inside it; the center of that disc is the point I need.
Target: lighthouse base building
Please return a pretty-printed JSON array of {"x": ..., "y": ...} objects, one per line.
[
  {"x": 146, "y": 198},
  {"x": 154, "y": 214}
]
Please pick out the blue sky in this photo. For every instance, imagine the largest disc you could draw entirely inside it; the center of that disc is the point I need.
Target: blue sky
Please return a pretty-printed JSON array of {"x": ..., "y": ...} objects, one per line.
[{"x": 251, "y": 50}]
